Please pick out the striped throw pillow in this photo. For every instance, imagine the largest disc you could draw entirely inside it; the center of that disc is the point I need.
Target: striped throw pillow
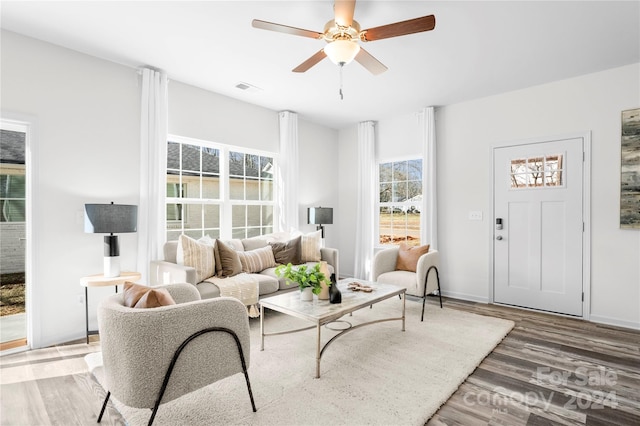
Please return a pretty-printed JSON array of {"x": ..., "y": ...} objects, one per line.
[
  {"x": 310, "y": 245},
  {"x": 198, "y": 255},
  {"x": 257, "y": 260}
]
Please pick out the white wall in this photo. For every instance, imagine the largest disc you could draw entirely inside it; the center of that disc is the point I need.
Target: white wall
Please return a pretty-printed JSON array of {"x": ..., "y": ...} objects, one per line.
[
  {"x": 200, "y": 114},
  {"x": 318, "y": 182},
  {"x": 465, "y": 134},
  {"x": 347, "y": 220},
  {"x": 87, "y": 113}
]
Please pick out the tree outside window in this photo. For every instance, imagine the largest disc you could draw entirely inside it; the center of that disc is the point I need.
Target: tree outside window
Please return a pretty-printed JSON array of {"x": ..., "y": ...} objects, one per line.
[{"x": 399, "y": 202}]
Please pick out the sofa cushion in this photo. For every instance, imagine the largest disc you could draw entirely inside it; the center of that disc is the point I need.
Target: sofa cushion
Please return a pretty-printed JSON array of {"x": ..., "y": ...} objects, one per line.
[
  {"x": 311, "y": 244},
  {"x": 142, "y": 296},
  {"x": 254, "y": 243},
  {"x": 408, "y": 257},
  {"x": 257, "y": 260},
  {"x": 230, "y": 264},
  {"x": 288, "y": 252},
  {"x": 266, "y": 284},
  {"x": 197, "y": 254},
  {"x": 235, "y": 243}
]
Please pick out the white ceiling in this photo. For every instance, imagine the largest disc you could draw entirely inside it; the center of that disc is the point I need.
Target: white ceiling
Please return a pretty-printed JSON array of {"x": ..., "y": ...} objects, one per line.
[{"x": 477, "y": 49}]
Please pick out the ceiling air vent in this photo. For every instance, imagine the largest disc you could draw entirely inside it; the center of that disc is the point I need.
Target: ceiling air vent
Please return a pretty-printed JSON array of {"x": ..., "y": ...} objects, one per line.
[{"x": 247, "y": 87}]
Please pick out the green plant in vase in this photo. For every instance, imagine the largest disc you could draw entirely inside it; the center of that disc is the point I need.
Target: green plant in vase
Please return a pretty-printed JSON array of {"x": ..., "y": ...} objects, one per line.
[{"x": 303, "y": 276}]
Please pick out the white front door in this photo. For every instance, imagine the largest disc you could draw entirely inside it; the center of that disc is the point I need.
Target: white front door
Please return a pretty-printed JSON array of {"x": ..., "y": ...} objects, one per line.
[{"x": 538, "y": 200}]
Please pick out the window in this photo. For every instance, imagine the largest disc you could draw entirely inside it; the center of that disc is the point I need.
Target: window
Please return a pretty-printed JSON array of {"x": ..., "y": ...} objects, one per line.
[
  {"x": 212, "y": 188},
  {"x": 12, "y": 177},
  {"x": 251, "y": 194},
  {"x": 400, "y": 202},
  {"x": 537, "y": 172}
]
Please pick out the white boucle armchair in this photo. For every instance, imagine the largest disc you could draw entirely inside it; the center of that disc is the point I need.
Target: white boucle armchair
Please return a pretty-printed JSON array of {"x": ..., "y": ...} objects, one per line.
[
  {"x": 424, "y": 281},
  {"x": 152, "y": 356}
]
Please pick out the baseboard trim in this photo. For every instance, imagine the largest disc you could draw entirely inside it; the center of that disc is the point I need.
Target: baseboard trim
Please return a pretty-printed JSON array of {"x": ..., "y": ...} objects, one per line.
[
  {"x": 464, "y": 296},
  {"x": 614, "y": 321}
]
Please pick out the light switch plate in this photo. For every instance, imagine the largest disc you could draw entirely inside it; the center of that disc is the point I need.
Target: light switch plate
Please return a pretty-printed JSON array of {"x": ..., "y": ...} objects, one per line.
[{"x": 475, "y": 215}]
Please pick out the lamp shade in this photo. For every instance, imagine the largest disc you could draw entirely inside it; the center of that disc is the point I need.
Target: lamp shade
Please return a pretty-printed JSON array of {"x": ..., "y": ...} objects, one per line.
[
  {"x": 320, "y": 215},
  {"x": 110, "y": 218},
  {"x": 341, "y": 52}
]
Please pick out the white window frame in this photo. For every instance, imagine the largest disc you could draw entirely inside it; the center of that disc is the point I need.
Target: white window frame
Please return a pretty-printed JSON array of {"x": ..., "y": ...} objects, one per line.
[
  {"x": 224, "y": 200},
  {"x": 407, "y": 204}
]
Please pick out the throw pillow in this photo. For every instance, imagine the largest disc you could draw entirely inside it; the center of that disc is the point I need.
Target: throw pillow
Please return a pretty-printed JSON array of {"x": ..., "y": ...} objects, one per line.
[
  {"x": 230, "y": 264},
  {"x": 142, "y": 296},
  {"x": 257, "y": 260},
  {"x": 253, "y": 243},
  {"x": 288, "y": 252},
  {"x": 198, "y": 255},
  {"x": 311, "y": 244},
  {"x": 408, "y": 257}
]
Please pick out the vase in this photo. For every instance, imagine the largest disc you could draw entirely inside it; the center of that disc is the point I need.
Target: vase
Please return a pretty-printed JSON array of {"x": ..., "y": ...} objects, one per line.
[
  {"x": 306, "y": 294},
  {"x": 324, "y": 288},
  {"x": 334, "y": 294}
]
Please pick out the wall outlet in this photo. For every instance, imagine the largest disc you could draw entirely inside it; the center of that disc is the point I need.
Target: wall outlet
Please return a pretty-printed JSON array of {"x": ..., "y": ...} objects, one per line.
[
  {"x": 81, "y": 299},
  {"x": 475, "y": 215}
]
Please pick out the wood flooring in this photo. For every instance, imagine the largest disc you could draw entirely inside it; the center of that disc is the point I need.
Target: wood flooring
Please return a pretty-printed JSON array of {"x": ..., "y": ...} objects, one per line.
[{"x": 549, "y": 370}]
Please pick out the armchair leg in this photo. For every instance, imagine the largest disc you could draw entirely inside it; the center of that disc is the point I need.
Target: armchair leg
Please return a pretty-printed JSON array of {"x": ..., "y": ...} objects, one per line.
[
  {"x": 104, "y": 405},
  {"x": 439, "y": 291},
  {"x": 176, "y": 355},
  {"x": 424, "y": 295}
]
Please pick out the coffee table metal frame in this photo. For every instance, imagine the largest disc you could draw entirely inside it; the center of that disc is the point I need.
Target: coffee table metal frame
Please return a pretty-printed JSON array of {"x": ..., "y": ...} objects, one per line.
[{"x": 321, "y": 312}]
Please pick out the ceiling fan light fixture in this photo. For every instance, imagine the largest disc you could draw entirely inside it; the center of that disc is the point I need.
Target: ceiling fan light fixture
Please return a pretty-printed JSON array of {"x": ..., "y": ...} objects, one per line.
[{"x": 341, "y": 52}]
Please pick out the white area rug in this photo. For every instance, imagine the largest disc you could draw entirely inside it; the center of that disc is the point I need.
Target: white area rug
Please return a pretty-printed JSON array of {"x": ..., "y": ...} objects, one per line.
[{"x": 375, "y": 375}]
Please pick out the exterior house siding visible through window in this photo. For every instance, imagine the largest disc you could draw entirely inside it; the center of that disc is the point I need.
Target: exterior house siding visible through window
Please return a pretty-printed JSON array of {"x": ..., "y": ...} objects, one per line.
[{"x": 219, "y": 191}]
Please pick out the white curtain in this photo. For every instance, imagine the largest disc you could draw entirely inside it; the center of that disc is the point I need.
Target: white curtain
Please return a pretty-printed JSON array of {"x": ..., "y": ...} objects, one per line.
[
  {"x": 153, "y": 161},
  {"x": 366, "y": 201},
  {"x": 429, "y": 217},
  {"x": 288, "y": 172}
]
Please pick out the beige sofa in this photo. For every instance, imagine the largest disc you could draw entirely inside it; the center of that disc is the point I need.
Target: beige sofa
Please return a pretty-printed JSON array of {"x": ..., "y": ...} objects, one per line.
[{"x": 168, "y": 271}]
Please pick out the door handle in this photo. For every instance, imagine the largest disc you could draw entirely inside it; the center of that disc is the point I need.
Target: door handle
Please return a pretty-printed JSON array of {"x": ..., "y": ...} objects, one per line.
[{"x": 499, "y": 238}]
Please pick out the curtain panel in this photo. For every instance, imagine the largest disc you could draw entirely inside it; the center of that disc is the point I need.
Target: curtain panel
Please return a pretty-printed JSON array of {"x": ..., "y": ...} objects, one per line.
[
  {"x": 288, "y": 218},
  {"x": 366, "y": 200},
  {"x": 153, "y": 160},
  {"x": 428, "y": 220}
]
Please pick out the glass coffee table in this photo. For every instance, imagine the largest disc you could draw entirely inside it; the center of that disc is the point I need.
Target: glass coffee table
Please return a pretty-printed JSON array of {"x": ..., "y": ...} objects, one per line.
[{"x": 321, "y": 312}]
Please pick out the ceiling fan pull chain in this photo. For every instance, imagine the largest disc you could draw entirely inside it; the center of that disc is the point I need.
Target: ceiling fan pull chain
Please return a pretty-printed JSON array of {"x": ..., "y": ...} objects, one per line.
[{"x": 340, "y": 91}]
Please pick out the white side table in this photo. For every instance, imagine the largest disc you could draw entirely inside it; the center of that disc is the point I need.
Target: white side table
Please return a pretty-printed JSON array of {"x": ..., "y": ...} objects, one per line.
[{"x": 99, "y": 280}]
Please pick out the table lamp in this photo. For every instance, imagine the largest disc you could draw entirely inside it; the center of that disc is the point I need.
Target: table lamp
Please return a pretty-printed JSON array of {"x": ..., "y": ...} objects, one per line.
[
  {"x": 320, "y": 216},
  {"x": 110, "y": 219}
]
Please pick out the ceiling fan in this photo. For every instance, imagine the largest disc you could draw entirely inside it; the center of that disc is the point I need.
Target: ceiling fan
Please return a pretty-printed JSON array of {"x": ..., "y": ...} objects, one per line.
[{"x": 343, "y": 33}]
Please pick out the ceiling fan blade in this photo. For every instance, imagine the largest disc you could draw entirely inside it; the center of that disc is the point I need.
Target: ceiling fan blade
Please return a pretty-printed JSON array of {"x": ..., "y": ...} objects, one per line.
[
  {"x": 411, "y": 26},
  {"x": 264, "y": 25},
  {"x": 317, "y": 57},
  {"x": 367, "y": 60},
  {"x": 343, "y": 11}
]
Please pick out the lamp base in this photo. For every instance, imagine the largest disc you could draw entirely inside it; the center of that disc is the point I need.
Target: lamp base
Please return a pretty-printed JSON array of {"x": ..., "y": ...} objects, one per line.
[{"x": 111, "y": 266}]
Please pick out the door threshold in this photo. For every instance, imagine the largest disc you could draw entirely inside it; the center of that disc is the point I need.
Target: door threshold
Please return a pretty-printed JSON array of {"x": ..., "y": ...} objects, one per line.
[
  {"x": 541, "y": 311},
  {"x": 13, "y": 344}
]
